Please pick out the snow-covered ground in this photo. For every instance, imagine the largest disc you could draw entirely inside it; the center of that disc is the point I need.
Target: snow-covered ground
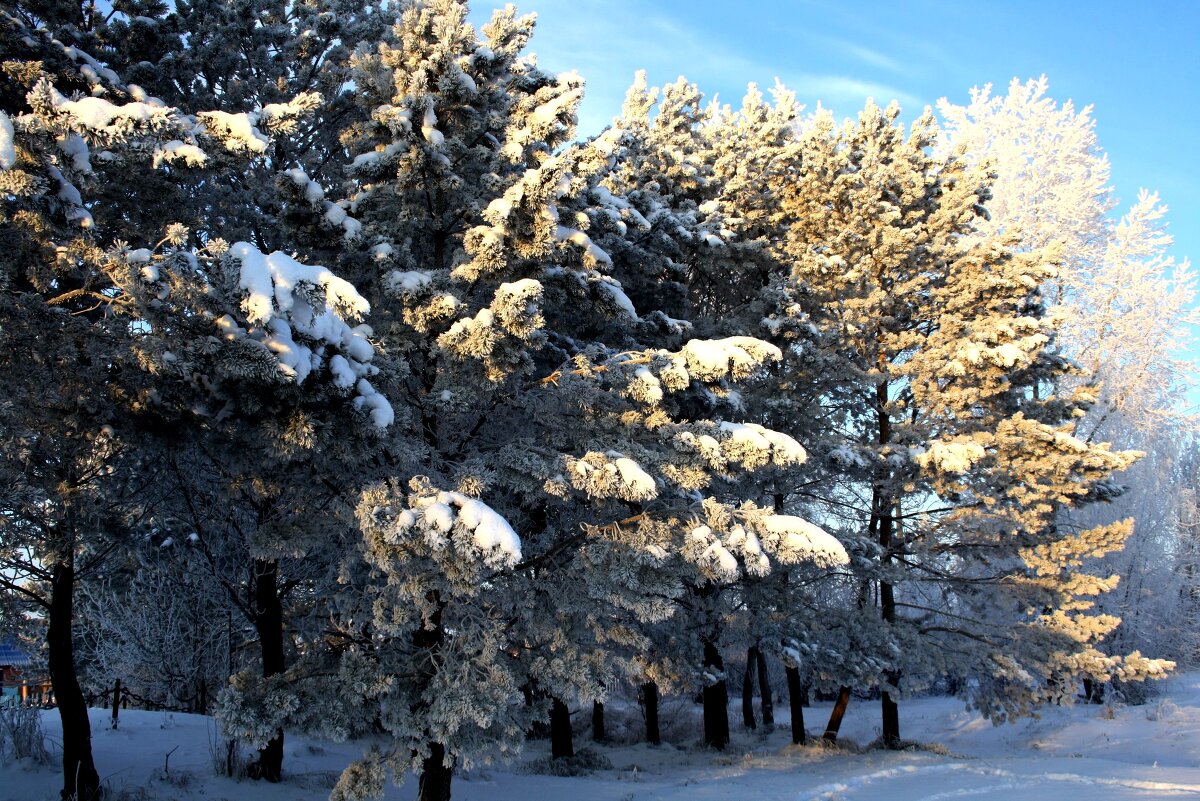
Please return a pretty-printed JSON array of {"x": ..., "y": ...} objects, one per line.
[{"x": 1094, "y": 752}]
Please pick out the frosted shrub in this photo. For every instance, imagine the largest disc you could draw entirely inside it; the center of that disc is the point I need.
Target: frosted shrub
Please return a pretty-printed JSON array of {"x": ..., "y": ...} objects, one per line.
[
  {"x": 21, "y": 735},
  {"x": 226, "y": 754},
  {"x": 1165, "y": 709},
  {"x": 581, "y": 764}
]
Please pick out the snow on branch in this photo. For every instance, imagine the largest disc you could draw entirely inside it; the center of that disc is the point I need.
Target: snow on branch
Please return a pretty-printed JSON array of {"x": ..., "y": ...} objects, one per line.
[
  {"x": 752, "y": 446},
  {"x": 333, "y": 214},
  {"x": 794, "y": 540},
  {"x": 951, "y": 457},
  {"x": 609, "y": 475},
  {"x": 286, "y": 301},
  {"x": 451, "y": 517},
  {"x": 715, "y": 360}
]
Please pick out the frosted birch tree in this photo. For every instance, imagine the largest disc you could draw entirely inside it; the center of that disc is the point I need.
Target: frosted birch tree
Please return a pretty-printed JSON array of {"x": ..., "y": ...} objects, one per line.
[{"x": 1125, "y": 308}]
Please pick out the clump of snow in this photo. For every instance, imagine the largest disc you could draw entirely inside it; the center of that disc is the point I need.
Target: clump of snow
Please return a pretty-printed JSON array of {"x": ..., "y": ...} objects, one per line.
[
  {"x": 848, "y": 456},
  {"x": 645, "y": 387},
  {"x": 795, "y": 540},
  {"x": 637, "y": 480},
  {"x": 753, "y": 445},
  {"x": 176, "y": 150},
  {"x": 747, "y": 542},
  {"x": 609, "y": 475},
  {"x": 951, "y": 457},
  {"x": 73, "y": 146},
  {"x": 429, "y": 128},
  {"x": 488, "y": 531},
  {"x": 592, "y": 253},
  {"x": 101, "y": 116},
  {"x": 278, "y": 307},
  {"x": 274, "y": 279},
  {"x": 707, "y": 550},
  {"x": 1069, "y": 442},
  {"x": 141, "y": 256},
  {"x": 615, "y": 293},
  {"x": 333, "y": 213},
  {"x": 371, "y": 158},
  {"x": 382, "y": 251},
  {"x": 69, "y": 194},
  {"x": 407, "y": 281},
  {"x": 735, "y": 357},
  {"x": 301, "y": 104},
  {"x": 379, "y": 410},
  {"x": 235, "y": 131}
]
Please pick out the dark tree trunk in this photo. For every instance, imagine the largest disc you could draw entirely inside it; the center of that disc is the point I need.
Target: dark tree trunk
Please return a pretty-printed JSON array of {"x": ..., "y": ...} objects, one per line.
[
  {"x": 891, "y": 714},
  {"x": 80, "y": 780},
  {"x": 716, "y": 701},
  {"x": 748, "y": 689},
  {"x": 764, "y": 692},
  {"x": 796, "y": 704},
  {"x": 882, "y": 508},
  {"x": 268, "y": 624},
  {"x": 1093, "y": 691},
  {"x": 598, "y": 733},
  {"x": 116, "y": 703},
  {"x": 835, "y": 717},
  {"x": 650, "y": 701},
  {"x": 434, "y": 784},
  {"x": 561, "y": 743}
]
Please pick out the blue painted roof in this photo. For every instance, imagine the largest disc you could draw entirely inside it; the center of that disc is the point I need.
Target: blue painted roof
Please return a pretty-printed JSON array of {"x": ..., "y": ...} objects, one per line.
[{"x": 11, "y": 655}]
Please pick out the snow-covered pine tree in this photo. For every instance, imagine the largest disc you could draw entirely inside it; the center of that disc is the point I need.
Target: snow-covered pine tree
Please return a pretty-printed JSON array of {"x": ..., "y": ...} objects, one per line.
[
  {"x": 272, "y": 80},
  {"x": 698, "y": 178},
  {"x": 73, "y": 489},
  {"x": 229, "y": 344},
  {"x": 539, "y": 469},
  {"x": 959, "y": 451},
  {"x": 668, "y": 262}
]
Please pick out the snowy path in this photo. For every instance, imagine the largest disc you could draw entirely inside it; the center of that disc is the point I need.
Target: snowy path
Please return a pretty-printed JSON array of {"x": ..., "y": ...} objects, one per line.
[{"x": 1086, "y": 752}]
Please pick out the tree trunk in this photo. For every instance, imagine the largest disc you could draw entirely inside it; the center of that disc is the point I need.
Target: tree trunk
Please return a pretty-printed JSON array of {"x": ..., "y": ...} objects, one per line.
[
  {"x": 796, "y": 704},
  {"x": 835, "y": 717},
  {"x": 650, "y": 699},
  {"x": 748, "y": 689},
  {"x": 561, "y": 744},
  {"x": 882, "y": 509},
  {"x": 891, "y": 714},
  {"x": 116, "y": 702},
  {"x": 80, "y": 780},
  {"x": 598, "y": 733},
  {"x": 716, "y": 701},
  {"x": 268, "y": 623},
  {"x": 764, "y": 692},
  {"x": 434, "y": 784}
]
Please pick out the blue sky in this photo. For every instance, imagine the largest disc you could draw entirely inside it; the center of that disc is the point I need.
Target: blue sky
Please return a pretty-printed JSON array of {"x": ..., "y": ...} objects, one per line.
[{"x": 1137, "y": 63}]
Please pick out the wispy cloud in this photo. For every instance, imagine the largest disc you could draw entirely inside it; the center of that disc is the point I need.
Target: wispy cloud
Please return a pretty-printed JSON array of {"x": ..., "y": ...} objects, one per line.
[
  {"x": 607, "y": 41},
  {"x": 846, "y": 94},
  {"x": 874, "y": 58}
]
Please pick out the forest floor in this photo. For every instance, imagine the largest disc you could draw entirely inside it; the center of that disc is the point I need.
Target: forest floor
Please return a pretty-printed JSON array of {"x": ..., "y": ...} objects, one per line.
[{"x": 1100, "y": 753}]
